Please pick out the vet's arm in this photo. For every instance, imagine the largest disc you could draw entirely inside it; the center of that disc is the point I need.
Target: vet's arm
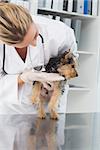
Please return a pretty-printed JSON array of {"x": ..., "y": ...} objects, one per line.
[
  {"x": 46, "y": 85},
  {"x": 45, "y": 78},
  {"x": 68, "y": 41},
  {"x": 73, "y": 44},
  {"x": 30, "y": 76}
]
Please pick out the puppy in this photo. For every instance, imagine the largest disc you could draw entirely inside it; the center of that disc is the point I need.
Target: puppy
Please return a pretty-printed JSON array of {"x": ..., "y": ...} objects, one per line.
[{"x": 65, "y": 65}]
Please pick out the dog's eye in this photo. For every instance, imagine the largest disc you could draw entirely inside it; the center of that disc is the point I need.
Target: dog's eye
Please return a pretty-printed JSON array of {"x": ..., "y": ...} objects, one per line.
[
  {"x": 69, "y": 61},
  {"x": 73, "y": 66}
]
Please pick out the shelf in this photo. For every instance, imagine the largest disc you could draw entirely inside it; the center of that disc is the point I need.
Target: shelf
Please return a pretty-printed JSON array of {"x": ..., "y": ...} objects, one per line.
[
  {"x": 74, "y": 15},
  {"x": 86, "y": 53},
  {"x": 75, "y": 127},
  {"x": 78, "y": 88}
]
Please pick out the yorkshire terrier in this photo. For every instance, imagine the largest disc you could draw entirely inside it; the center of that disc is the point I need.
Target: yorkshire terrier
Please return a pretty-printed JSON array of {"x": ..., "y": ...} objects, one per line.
[{"x": 65, "y": 65}]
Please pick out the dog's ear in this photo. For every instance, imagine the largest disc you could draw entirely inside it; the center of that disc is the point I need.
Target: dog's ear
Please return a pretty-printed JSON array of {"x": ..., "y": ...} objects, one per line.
[
  {"x": 65, "y": 54},
  {"x": 69, "y": 50}
]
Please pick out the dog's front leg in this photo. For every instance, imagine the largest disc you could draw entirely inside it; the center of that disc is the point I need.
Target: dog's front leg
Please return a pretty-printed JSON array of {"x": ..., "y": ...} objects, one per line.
[
  {"x": 36, "y": 92},
  {"x": 54, "y": 101},
  {"x": 41, "y": 110}
]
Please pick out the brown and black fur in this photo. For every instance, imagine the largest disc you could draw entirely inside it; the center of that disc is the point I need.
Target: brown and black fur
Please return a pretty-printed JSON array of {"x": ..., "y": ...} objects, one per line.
[{"x": 65, "y": 65}]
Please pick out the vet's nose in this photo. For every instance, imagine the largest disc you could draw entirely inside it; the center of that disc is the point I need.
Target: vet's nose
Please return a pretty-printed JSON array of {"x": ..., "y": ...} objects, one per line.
[{"x": 76, "y": 74}]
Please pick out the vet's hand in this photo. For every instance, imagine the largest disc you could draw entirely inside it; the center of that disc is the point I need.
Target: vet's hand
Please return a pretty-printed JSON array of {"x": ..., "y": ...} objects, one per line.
[
  {"x": 45, "y": 94},
  {"x": 48, "y": 85},
  {"x": 30, "y": 76}
]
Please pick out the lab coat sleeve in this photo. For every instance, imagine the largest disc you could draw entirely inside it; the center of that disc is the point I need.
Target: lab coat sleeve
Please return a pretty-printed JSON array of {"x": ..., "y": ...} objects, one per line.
[
  {"x": 68, "y": 41},
  {"x": 8, "y": 86},
  {"x": 61, "y": 38}
]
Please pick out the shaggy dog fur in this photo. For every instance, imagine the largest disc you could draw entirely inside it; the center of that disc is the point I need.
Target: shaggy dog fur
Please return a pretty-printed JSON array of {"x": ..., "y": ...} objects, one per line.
[{"x": 65, "y": 65}]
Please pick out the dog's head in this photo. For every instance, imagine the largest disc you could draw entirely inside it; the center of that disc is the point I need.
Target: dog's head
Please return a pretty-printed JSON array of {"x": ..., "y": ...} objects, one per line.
[
  {"x": 64, "y": 64},
  {"x": 67, "y": 66}
]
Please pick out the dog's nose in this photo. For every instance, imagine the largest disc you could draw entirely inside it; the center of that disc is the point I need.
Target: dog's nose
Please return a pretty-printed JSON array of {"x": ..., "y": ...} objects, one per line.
[
  {"x": 76, "y": 74},
  {"x": 63, "y": 76}
]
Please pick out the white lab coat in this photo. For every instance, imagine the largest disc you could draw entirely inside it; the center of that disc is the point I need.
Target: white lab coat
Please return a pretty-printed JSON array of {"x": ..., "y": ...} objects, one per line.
[{"x": 57, "y": 38}]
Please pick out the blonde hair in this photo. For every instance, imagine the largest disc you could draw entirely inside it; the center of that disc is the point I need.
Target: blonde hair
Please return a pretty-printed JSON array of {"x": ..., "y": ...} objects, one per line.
[{"x": 14, "y": 23}]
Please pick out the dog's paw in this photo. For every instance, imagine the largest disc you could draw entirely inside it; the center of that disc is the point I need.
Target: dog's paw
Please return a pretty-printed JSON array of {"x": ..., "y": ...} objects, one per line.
[
  {"x": 42, "y": 115},
  {"x": 54, "y": 116}
]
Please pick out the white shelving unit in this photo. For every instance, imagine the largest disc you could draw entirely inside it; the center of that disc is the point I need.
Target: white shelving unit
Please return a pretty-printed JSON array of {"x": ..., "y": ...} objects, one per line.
[
  {"x": 86, "y": 100},
  {"x": 33, "y": 6},
  {"x": 86, "y": 53},
  {"x": 78, "y": 88},
  {"x": 83, "y": 97},
  {"x": 65, "y": 14}
]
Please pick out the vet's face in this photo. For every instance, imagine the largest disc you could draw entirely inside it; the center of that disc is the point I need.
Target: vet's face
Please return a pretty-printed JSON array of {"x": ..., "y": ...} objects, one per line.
[
  {"x": 30, "y": 37},
  {"x": 67, "y": 67}
]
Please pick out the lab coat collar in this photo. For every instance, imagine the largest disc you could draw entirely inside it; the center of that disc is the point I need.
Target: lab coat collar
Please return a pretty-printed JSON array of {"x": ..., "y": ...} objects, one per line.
[{"x": 14, "y": 64}]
